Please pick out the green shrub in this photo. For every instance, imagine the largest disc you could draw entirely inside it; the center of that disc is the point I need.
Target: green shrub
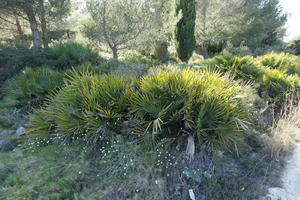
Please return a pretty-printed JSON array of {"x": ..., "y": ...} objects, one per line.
[
  {"x": 30, "y": 87},
  {"x": 14, "y": 59},
  {"x": 273, "y": 83},
  {"x": 127, "y": 68},
  {"x": 86, "y": 68},
  {"x": 134, "y": 57},
  {"x": 196, "y": 59},
  {"x": 241, "y": 67},
  {"x": 165, "y": 104},
  {"x": 281, "y": 61},
  {"x": 87, "y": 104},
  {"x": 161, "y": 52},
  {"x": 171, "y": 104},
  {"x": 294, "y": 46},
  {"x": 278, "y": 85},
  {"x": 60, "y": 56},
  {"x": 11, "y": 118},
  {"x": 70, "y": 54}
]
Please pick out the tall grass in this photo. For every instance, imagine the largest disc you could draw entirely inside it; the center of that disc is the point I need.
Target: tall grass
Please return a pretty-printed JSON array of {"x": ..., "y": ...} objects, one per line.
[{"x": 287, "y": 130}]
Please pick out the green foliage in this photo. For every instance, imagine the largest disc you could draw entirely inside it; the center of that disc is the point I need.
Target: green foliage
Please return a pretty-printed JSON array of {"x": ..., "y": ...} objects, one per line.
[
  {"x": 174, "y": 103},
  {"x": 11, "y": 118},
  {"x": 165, "y": 104},
  {"x": 14, "y": 59},
  {"x": 264, "y": 19},
  {"x": 87, "y": 68},
  {"x": 185, "y": 29},
  {"x": 196, "y": 59},
  {"x": 70, "y": 54},
  {"x": 30, "y": 87},
  {"x": 294, "y": 46},
  {"x": 278, "y": 85},
  {"x": 60, "y": 56},
  {"x": 134, "y": 57},
  {"x": 118, "y": 24},
  {"x": 88, "y": 104},
  {"x": 243, "y": 68},
  {"x": 281, "y": 61},
  {"x": 161, "y": 51},
  {"x": 270, "y": 73}
]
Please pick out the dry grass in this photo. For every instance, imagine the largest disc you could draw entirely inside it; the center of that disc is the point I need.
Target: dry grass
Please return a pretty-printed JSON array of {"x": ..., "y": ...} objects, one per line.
[{"x": 286, "y": 132}]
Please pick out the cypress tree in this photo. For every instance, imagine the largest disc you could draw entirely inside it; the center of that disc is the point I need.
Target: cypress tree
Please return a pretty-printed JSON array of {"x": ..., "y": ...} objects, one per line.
[{"x": 185, "y": 29}]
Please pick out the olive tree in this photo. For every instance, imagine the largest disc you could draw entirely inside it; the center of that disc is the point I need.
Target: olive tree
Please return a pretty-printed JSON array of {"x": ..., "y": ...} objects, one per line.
[{"x": 118, "y": 23}]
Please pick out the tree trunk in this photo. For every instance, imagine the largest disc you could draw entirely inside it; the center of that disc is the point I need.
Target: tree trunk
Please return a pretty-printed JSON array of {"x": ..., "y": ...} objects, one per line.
[
  {"x": 43, "y": 24},
  {"x": 204, "y": 50},
  {"x": 36, "y": 38},
  {"x": 115, "y": 52},
  {"x": 20, "y": 30}
]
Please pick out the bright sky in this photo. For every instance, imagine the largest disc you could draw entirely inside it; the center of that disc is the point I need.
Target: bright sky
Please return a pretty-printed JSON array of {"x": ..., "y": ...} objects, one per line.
[{"x": 293, "y": 24}]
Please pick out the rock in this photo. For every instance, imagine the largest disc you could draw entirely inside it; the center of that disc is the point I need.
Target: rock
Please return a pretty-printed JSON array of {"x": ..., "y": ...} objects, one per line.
[
  {"x": 7, "y": 132},
  {"x": 7, "y": 145},
  {"x": 192, "y": 194},
  {"x": 20, "y": 131}
]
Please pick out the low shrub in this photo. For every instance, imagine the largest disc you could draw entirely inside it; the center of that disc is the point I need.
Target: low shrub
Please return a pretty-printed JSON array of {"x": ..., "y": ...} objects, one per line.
[
  {"x": 67, "y": 55},
  {"x": 127, "y": 68},
  {"x": 161, "y": 52},
  {"x": 278, "y": 85},
  {"x": 134, "y": 57},
  {"x": 241, "y": 67},
  {"x": 178, "y": 103},
  {"x": 14, "y": 59},
  {"x": 281, "y": 61},
  {"x": 87, "y": 105},
  {"x": 60, "y": 56},
  {"x": 86, "y": 68},
  {"x": 166, "y": 104},
  {"x": 196, "y": 59},
  {"x": 273, "y": 84},
  {"x": 30, "y": 87}
]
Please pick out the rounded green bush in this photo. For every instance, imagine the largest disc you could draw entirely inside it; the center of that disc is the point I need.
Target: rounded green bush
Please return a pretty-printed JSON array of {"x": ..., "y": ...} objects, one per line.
[
  {"x": 270, "y": 73},
  {"x": 243, "y": 68},
  {"x": 178, "y": 103},
  {"x": 87, "y": 104},
  {"x": 281, "y": 61},
  {"x": 30, "y": 87},
  {"x": 167, "y": 104}
]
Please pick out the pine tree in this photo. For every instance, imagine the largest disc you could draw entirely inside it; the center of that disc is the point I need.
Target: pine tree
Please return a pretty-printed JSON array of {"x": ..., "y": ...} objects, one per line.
[{"x": 185, "y": 29}]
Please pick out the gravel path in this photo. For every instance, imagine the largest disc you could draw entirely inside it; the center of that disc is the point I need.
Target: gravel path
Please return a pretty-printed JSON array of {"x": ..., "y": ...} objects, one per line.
[{"x": 290, "y": 178}]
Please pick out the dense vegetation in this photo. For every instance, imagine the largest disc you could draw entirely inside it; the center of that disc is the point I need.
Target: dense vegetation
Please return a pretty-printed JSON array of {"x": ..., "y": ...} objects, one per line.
[{"x": 145, "y": 99}]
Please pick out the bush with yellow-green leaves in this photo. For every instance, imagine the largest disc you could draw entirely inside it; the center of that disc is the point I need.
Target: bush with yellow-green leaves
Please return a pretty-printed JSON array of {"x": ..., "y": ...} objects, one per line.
[{"x": 167, "y": 104}]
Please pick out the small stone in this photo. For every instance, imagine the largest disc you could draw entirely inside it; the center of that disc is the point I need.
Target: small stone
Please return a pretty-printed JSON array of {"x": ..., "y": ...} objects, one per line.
[
  {"x": 20, "y": 131},
  {"x": 192, "y": 194},
  {"x": 7, "y": 145}
]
